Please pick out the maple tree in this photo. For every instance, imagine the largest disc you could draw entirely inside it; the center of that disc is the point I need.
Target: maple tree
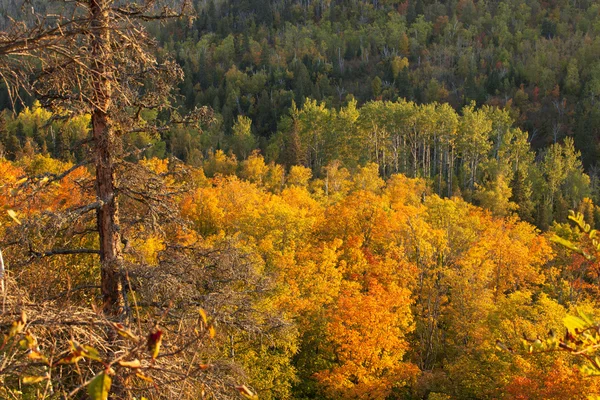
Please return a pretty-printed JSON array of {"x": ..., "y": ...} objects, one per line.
[{"x": 367, "y": 332}]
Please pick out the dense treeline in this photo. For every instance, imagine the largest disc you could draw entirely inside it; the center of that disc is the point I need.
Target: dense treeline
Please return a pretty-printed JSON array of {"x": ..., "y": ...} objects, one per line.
[
  {"x": 311, "y": 83},
  {"x": 253, "y": 58},
  {"x": 346, "y": 286},
  {"x": 477, "y": 154}
]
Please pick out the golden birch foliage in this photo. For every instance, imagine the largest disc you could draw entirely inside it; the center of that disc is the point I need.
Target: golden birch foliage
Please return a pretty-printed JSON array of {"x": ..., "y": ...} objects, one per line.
[
  {"x": 275, "y": 178},
  {"x": 405, "y": 191},
  {"x": 35, "y": 191},
  {"x": 299, "y": 176},
  {"x": 69, "y": 193},
  {"x": 372, "y": 274},
  {"x": 367, "y": 178},
  {"x": 310, "y": 277},
  {"x": 554, "y": 380},
  {"x": 147, "y": 248},
  {"x": 361, "y": 219},
  {"x": 237, "y": 198},
  {"x": 221, "y": 164},
  {"x": 254, "y": 168},
  {"x": 202, "y": 209},
  {"x": 336, "y": 180},
  {"x": 517, "y": 253},
  {"x": 156, "y": 165}
]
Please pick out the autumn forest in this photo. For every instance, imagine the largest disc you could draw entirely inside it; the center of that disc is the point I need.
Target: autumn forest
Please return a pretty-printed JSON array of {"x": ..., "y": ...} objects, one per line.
[{"x": 332, "y": 199}]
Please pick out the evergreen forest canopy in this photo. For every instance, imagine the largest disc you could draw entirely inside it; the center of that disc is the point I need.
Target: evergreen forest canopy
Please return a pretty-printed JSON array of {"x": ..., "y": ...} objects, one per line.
[{"x": 330, "y": 199}]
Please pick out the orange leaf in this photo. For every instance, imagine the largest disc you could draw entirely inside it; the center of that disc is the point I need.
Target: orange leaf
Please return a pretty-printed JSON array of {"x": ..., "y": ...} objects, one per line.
[
  {"x": 244, "y": 391},
  {"x": 203, "y": 315}
]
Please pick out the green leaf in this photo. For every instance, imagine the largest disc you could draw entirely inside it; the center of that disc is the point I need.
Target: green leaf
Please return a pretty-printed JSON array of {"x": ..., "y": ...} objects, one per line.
[
  {"x": 99, "y": 387},
  {"x": 91, "y": 353}
]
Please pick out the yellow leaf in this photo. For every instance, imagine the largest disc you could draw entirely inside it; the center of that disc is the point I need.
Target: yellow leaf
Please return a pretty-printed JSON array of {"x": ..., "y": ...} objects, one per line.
[
  {"x": 574, "y": 324},
  {"x": 212, "y": 332},
  {"x": 13, "y": 215},
  {"x": 70, "y": 359},
  {"x": 203, "y": 315},
  {"x": 587, "y": 318},
  {"x": 37, "y": 356},
  {"x": 565, "y": 243},
  {"x": 144, "y": 377},
  {"x": 30, "y": 380},
  {"x": 131, "y": 364},
  {"x": 20, "y": 181},
  {"x": 18, "y": 326},
  {"x": 29, "y": 342}
]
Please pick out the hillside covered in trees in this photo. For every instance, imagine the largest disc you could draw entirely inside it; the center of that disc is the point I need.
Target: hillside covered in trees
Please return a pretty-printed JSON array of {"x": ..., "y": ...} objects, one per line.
[
  {"x": 343, "y": 287},
  {"x": 386, "y": 82},
  {"x": 538, "y": 58},
  {"x": 299, "y": 199}
]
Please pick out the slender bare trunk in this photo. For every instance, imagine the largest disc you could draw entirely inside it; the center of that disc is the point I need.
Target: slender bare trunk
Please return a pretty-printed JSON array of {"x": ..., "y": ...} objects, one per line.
[{"x": 451, "y": 172}]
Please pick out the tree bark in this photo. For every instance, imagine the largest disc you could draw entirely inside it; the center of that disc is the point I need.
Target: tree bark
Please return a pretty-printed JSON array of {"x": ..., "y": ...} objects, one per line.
[{"x": 104, "y": 159}]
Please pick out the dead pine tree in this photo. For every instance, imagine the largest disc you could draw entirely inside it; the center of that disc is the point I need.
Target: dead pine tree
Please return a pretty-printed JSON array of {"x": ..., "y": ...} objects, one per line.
[{"x": 93, "y": 57}]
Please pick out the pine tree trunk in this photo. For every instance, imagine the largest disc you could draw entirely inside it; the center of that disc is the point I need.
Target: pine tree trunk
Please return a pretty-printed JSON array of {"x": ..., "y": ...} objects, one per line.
[{"x": 104, "y": 159}]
